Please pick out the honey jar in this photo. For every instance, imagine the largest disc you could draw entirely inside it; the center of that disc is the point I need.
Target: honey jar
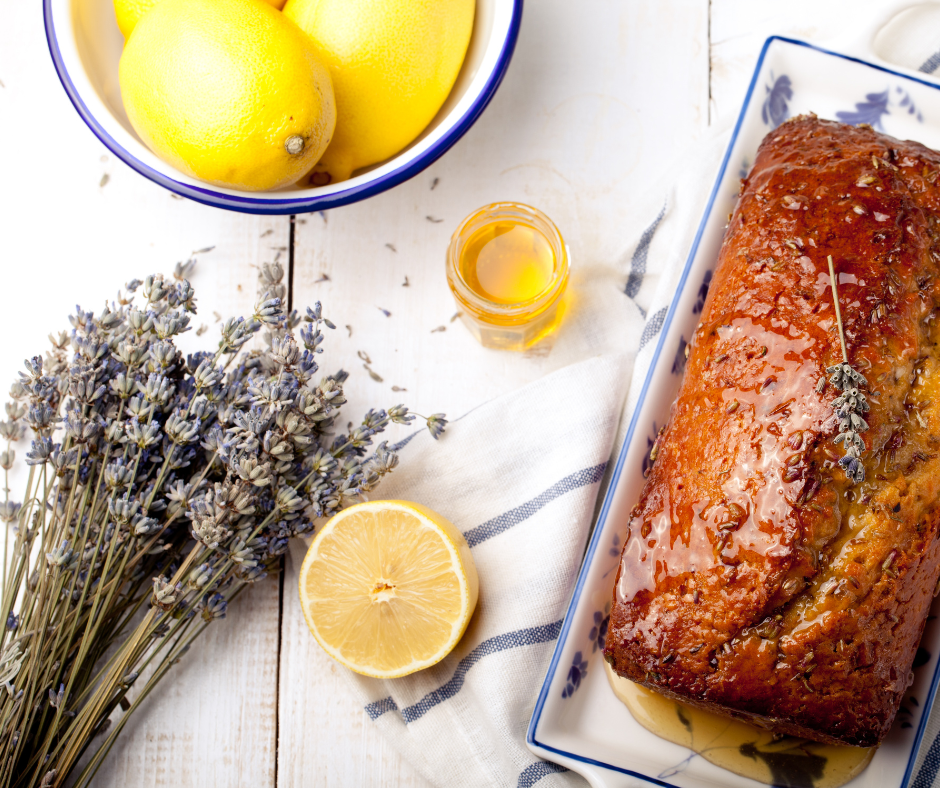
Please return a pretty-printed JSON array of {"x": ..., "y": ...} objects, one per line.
[{"x": 507, "y": 266}]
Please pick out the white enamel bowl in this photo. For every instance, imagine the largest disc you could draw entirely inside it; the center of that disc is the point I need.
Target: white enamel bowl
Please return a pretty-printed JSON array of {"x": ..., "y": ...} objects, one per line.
[{"x": 85, "y": 45}]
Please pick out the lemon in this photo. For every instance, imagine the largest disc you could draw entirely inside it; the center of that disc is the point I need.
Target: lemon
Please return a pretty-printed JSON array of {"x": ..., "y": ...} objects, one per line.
[
  {"x": 129, "y": 12},
  {"x": 228, "y": 91},
  {"x": 388, "y": 587},
  {"x": 393, "y": 63}
]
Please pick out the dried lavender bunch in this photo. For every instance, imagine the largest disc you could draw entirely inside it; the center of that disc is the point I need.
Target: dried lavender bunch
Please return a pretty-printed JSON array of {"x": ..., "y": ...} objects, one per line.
[
  {"x": 160, "y": 486},
  {"x": 851, "y": 404}
]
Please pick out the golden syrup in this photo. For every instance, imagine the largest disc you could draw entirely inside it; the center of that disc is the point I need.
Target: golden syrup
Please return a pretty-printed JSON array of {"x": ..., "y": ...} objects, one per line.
[
  {"x": 738, "y": 747},
  {"x": 507, "y": 266},
  {"x": 507, "y": 262}
]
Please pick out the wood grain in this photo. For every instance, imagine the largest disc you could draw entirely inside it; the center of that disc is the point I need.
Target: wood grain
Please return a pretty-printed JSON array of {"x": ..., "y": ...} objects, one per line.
[
  {"x": 598, "y": 99},
  {"x": 580, "y": 128}
]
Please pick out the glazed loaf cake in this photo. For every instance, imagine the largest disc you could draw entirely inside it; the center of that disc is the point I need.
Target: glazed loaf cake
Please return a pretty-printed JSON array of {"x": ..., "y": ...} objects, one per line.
[{"x": 755, "y": 579}]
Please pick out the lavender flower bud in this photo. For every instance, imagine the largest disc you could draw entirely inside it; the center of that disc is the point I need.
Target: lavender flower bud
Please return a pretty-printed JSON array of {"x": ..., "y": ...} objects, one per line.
[
  {"x": 285, "y": 351},
  {"x": 114, "y": 431},
  {"x": 33, "y": 367},
  {"x": 273, "y": 444},
  {"x": 207, "y": 524},
  {"x": 165, "y": 594},
  {"x": 400, "y": 415},
  {"x": 154, "y": 288},
  {"x": 212, "y": 607},
  {"x": 200, "y": 576},
  {"x": 269, "y": 312},
  {"x": 251, "y": 574},
  {"x": 118, "y": 474},
  {"x": 145, "y": 526},
  {"x": 311, "y": 337},
  {"x": 9, "y": 511},
  {"x": 11, "y": 431},
  {"x": 40, "y": 417},
  {"x": 143, "y": 435},
  {"x": 39, "y": 451},
  {"x": 17, "y": 390},
  {"x": 139, "y": 322},
  {"x": 242, "y": 555},
  {"x": 108, "y": 319},
  {"x": 62, "y": 557},
  {"x": 15, "y": 410},
  {"x": 288, "y": 502},
  {"x": 56, "y": 699},
  {"x": 122, "y": 510},
  {"x": 171, "y": 324},
  {"x": 157, "y": 389},
  {"x": 436, "y": 425},
  {"x": 179, "y": 430},
  {"x": 251, "y": 470},
  {"x": 7, "y": 459}
]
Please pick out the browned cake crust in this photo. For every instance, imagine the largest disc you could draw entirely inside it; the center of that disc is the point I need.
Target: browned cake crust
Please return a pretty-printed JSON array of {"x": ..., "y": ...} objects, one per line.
[{"x": 755, "y": 580}]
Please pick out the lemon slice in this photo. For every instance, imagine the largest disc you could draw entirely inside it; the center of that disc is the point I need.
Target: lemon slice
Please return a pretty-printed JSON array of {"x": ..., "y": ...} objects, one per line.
[{"x": 388, "y": 587}]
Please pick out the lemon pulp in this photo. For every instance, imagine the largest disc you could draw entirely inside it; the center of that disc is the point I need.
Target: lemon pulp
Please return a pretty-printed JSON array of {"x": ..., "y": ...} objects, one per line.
[{"x": 388, "y": 587}]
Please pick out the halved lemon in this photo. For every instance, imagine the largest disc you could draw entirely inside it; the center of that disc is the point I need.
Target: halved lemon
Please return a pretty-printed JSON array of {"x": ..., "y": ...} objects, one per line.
[{"x": 388, "y": 587}]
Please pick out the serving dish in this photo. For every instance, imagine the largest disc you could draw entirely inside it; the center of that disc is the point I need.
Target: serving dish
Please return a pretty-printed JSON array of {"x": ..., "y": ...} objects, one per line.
[
  {"x": 577, "y": 721},
  {"x": 85, "y": 45}
]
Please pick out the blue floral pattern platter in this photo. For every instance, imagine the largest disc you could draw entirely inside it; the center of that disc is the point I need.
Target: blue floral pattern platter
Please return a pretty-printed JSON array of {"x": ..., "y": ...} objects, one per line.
[{"x": 578, "y": 722}]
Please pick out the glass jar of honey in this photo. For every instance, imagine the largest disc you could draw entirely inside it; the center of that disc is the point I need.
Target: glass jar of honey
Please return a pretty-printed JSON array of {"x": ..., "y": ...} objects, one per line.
[{"x": 507, "y": 266}]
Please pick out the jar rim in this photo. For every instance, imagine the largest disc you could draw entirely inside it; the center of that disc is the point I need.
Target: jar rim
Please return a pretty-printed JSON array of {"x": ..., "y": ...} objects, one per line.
[{"x": 522, "y": 214}]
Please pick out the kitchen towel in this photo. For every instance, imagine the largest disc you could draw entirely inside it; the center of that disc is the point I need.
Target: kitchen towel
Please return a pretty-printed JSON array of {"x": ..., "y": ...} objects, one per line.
[{"x": 520, "y": 475}]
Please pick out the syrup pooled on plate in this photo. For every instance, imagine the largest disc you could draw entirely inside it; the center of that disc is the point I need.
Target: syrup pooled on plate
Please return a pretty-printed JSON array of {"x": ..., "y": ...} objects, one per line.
[{"x": 738, "y": 747}]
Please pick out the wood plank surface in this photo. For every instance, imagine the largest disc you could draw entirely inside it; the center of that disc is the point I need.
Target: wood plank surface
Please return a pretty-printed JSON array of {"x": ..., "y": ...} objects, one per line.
[
  {"x": 600, "y": 97},
  {"x": 77, "y": 224},
  {"x": 585, "y": 120}
]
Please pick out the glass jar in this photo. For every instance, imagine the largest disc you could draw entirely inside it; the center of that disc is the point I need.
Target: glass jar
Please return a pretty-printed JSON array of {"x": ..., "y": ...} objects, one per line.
[{"x": 507, "y": 266}]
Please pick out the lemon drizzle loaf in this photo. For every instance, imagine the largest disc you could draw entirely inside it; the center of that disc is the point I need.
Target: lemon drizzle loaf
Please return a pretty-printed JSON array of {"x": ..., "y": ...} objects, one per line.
[{"x": 755, "y": 579}]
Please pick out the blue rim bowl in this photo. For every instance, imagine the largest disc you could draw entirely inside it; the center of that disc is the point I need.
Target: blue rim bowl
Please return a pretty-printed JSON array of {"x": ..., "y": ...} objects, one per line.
[{"x": 85, "y": 45}]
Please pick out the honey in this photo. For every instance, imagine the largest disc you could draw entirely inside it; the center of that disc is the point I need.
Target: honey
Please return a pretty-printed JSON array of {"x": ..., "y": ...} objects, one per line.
[
  {"x": 507, "y": 267},
  {"x": 507, "y": 262},
  {"x": 739, "y": 747}
]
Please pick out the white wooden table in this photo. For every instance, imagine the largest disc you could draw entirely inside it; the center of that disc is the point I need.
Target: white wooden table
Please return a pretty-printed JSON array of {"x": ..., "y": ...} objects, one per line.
[{"x": 601, "y": 95}]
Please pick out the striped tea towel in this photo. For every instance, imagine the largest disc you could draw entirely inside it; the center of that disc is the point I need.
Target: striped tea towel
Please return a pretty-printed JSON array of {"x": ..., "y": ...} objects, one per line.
[{"x": 520, "y": 476}]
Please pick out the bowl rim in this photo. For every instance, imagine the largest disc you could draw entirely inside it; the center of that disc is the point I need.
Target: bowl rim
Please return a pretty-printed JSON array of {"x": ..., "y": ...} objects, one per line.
[{"x": 294, "y": 205}]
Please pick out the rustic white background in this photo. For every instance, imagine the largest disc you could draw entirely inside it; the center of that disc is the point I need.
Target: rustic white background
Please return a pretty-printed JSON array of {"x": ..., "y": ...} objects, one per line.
[{"x": 600, "y": 97}]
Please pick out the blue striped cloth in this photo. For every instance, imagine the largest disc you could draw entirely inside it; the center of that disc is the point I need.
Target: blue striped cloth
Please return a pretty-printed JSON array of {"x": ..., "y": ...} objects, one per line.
[{"x": 520, "y": 477}]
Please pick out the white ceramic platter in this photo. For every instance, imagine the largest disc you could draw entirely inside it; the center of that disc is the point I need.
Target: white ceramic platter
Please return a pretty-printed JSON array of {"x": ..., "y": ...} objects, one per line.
[{"x": 577, "y": 720}]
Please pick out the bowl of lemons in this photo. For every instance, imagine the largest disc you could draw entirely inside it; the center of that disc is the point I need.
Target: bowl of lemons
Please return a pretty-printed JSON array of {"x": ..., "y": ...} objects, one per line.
[{"x": 280, "y": 106}]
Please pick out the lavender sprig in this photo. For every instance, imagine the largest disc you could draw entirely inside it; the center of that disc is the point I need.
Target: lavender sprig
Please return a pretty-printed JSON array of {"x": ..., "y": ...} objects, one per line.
[
  {"x": 160, "y": 487},
  {"x": 851, "y": 404}
]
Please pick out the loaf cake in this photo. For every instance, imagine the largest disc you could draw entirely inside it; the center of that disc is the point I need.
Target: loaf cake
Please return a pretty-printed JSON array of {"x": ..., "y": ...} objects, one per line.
[{"x": 756, "y": 580}]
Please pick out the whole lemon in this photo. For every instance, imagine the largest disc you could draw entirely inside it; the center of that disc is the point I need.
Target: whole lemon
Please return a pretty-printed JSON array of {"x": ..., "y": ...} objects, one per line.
[
  {"x": 129, "y": 12},
  {"x": 228, "y": 91},
  {"x": 393, "y": 63}
]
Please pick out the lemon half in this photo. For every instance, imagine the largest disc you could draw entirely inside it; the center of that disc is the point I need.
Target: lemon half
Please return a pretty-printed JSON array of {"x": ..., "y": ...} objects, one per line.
[{"x": 388, "y": 588}]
